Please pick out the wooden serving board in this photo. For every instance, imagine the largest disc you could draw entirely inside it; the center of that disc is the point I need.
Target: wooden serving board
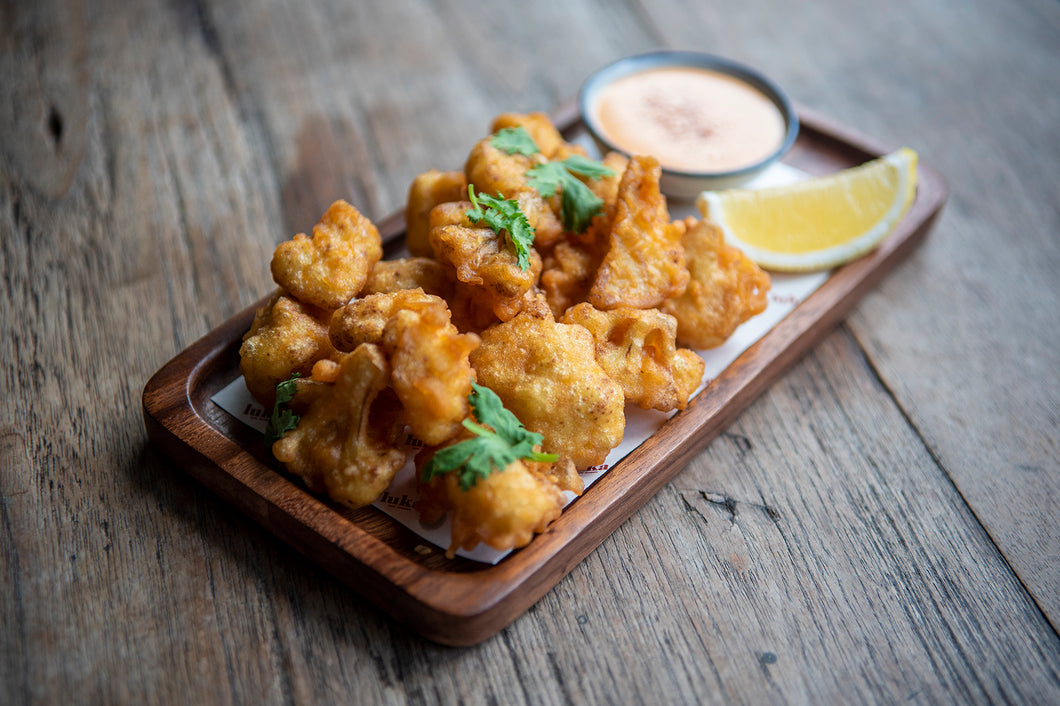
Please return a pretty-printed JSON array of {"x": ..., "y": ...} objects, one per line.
[{"x": 462, "y": 602}]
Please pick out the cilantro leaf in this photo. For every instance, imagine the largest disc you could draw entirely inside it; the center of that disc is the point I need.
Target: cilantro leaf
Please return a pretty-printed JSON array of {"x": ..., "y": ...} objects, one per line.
[
  {"x": 502, "y": 441},
  {"x": 547, "y": 177},
  {"x": 504, "y": 216},
  {"x": 283, "y": 419},
  {"x": 578, "y": 164},
  {"x": 515, "y": 140},
  {"x": 578, "y": 203}
]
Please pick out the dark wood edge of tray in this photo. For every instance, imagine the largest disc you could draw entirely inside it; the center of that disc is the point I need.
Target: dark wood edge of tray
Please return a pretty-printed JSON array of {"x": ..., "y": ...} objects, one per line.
[{"x": 466, "y": 607}]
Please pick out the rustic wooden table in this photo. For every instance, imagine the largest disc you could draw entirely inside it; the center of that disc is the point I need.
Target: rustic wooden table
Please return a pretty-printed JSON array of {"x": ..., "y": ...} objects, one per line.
[{"x": 880, "y": 526}]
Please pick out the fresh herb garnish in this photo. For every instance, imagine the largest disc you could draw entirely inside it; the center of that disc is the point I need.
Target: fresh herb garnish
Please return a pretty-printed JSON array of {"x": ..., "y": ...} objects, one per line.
[
  {"x": 514, "y": 140},
  {"x": 578, "y": 203},
  {"x": 283, "y": 419},
  {"x": 494, "y": 448},
  {"x": 504, "y": 216}
]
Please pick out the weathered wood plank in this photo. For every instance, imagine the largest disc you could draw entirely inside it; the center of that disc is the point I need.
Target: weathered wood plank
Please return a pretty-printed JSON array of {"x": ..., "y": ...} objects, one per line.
[{"x": 152, "y": 153}]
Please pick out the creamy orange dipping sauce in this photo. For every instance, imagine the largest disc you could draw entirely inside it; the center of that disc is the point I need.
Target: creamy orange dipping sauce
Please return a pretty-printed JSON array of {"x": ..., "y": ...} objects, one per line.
[{"x": 690, "y": 119}]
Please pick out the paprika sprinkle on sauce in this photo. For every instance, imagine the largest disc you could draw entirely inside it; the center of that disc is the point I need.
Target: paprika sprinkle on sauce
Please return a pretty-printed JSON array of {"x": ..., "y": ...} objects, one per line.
[{"x": 690, "y": 119}]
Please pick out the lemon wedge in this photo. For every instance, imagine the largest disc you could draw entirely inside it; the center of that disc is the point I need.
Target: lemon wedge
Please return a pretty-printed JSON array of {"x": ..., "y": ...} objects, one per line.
[{"x": 817, "y": 223}]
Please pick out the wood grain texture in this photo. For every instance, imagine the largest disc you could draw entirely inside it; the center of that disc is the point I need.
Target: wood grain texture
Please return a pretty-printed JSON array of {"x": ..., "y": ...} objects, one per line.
[{"x": 153, "y": 152}]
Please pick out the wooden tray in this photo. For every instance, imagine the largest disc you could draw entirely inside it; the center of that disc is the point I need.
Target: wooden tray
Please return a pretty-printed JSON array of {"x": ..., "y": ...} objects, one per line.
[{"x": 461, "y": 602}]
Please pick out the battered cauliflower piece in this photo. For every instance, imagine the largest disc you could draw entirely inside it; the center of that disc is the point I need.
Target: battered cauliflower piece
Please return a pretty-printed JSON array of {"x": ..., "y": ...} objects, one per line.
[
  {"x": 568, "y": 274},
  {"x": 469, "y": 310},
  {"x": 547, "y": 375},
  {"x": 286, "y": 337},
  {"x": 645, "y": 262},
  {"x": 428, "y": 356},
  {"x": 503, "y": 510},
  {"x": 637, "y": 349},
  {"x": 450, "y": 213},
  {"x": 483, "y": 259},
  {"x": 431, "y": 373},
  {"x": 409, "y": 273},
  {"x": 365, "y": 320},
  {"x": 330, "y": 268},
  {"x": 427, "y": 191},
  {"x": 726, "y": 288},
  {"x": 347, "y": 443}
]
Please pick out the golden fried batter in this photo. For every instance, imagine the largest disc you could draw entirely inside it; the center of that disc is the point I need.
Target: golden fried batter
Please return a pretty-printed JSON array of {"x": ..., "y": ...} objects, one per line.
[
  {"x": 726, "y": 288},
  {"x": 607, "y": 187},
  {"x": 471, "y": 312},
  {"x": 347, "y": 442},
  {"x": 286, "y": 337},
  {"x": 503, "y": 510},
  {"x": 568, "y": 274},
  {"x": 483, "y": 259},
  {"x": 546, "y": 374},
  {"x": 409, "y": 273},
  {"x": 427, "y": 191},
  {"x": 364, "y": 320},
  {"x": 431, "y": 373},
  {"x": 645, "y": 262},
  {"x": 329, "y": 269},
  {"x": 429, "y": 356},
  {"x": 490, "y": 285},
  {"x": 450, "y": 213},
  {"x": 637, "y": 350}
]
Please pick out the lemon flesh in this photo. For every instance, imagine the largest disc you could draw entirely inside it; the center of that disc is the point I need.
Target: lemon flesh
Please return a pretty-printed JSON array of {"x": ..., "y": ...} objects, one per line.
[{"x": 817, "y": 223}]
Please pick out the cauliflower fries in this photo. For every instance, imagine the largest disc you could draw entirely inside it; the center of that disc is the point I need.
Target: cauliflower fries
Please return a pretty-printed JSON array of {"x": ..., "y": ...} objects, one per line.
[{"x": 544, "y": 292}]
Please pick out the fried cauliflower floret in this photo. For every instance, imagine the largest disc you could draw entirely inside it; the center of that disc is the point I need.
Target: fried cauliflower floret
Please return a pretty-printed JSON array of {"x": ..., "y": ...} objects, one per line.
[
  {"x": 432, "y": 376},
  {"x": 645, "y": 262},
  {"x": 471, "y": 312},
  {"x": 567, "y": 275},
  {"x": 547, "y": 375},
  {"x": 636, "y": 348},
  {"x": 483, "y": 259},
  {"x": 428, "y": 356},
  {"x": 330, "y": 268},
  {"x": 494, "y": 172},
  {"x": 347, "y": 442},
  {"x": 365, "y": 320},
  {"x": 427, "y": 191},
  {"x": 726, "y": 288},
  {"x": 409, "y": 273},
  {"x": 286, "y": 337},
  {"x": 503, "y": 510}
]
